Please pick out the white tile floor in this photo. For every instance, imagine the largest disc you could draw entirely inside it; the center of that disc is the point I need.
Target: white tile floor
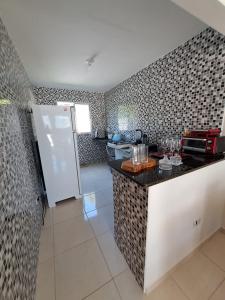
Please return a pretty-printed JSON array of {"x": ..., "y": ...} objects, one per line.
[
  {"x": 79, "y": 258},
  {"x": 95, "y": 178}
]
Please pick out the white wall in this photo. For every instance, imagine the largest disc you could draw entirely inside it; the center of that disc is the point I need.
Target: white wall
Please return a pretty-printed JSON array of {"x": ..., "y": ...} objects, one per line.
[
  {"x": 223, "y": 124},
  {"x": 210, "y": 12},
  {"x": 172, "y": 208}
]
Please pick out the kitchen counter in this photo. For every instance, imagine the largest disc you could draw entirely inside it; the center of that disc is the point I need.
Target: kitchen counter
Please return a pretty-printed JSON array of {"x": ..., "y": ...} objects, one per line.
[
  {"x": 154, "y": 176},
  {"x": 158, "y": 221}
]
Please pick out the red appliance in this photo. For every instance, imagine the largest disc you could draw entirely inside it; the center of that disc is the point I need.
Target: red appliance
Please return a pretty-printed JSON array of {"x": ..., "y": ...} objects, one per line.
[{"x": 204, "y": 141}]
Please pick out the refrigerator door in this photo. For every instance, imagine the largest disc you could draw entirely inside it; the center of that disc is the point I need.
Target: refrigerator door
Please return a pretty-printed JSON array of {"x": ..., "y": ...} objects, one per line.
[{"x": 58, "y": 153}]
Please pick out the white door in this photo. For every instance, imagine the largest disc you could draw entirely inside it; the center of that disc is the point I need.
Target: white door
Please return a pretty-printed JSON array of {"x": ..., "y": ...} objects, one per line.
[{"x": 58, "y": 153}]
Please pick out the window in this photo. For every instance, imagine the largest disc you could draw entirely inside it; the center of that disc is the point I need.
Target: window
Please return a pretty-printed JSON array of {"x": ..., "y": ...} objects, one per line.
[
  {"x": 83, "y": 120},
  {"x": 82, "y": 116},
  {"x": 62, "y": 103}
]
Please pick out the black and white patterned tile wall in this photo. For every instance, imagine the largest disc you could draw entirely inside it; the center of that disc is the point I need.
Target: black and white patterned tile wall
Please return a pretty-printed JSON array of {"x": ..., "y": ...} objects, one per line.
[
  {"x": 20, "y": 215},
  {"x": 90, "y": 151},
  {"x": 184, "y": 89},
  {"x": 130, "y": 222}
]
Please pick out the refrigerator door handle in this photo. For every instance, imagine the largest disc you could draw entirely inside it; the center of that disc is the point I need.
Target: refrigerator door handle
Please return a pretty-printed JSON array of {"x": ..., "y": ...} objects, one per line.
[{"x": 73, "y": 118}]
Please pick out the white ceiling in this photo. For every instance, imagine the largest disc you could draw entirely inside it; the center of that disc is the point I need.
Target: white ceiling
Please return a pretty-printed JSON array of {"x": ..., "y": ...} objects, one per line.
[
  {"x": 55, "y": 37},
  {"x": 212, "y": 12}
]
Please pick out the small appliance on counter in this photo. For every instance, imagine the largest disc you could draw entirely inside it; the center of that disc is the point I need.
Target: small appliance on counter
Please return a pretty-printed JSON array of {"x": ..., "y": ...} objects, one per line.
[
  {"x": 138, "y": 136},
  {"x": 204, "y": 141},
  {"x": 145, "y": 139},
  {"x": 116, "y": 138}
]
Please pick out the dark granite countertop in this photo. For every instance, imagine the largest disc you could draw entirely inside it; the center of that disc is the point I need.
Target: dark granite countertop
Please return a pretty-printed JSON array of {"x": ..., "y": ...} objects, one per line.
[{"x": 154, "y": 176}]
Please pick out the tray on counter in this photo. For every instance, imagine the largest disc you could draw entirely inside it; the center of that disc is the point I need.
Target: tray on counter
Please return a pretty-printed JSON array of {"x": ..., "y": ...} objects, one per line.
[{"x": 128, "y": 166}]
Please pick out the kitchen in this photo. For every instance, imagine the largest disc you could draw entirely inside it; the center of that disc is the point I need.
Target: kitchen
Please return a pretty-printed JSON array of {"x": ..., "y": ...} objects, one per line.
[{"x": 110, "y": 232}]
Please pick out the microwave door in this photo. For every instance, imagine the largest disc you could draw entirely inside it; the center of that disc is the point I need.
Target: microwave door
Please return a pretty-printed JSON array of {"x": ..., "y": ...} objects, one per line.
[{"x": 198, "y": 145}]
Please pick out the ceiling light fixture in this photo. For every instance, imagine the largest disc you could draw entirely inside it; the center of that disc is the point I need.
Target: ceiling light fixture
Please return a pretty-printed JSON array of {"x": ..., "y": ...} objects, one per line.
[
  {"x": 91, "y": 60},
  {"x": 222, "y": 2}
]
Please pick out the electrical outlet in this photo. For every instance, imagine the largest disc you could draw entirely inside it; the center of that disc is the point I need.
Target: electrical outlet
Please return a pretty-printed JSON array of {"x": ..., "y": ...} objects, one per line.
[{"x": 196, "y": 222}]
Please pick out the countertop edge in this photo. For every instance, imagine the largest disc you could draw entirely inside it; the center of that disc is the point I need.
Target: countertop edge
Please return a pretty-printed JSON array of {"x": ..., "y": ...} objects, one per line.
[{"x": 129, "y": 175}]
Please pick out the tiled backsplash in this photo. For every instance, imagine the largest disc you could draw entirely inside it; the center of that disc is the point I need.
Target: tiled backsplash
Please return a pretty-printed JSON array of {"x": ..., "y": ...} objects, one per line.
[
  {"x": 20, "y": 215},
  {"x": 184, "y": 89},
  {"x": 89, "y": 151}
]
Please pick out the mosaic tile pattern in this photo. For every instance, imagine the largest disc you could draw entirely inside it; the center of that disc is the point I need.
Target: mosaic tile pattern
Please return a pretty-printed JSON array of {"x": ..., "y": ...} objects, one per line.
[
  {"x": 184, "y": 89},
  {"x": 130, "y": 222},
  {"x": 89, "y": 151},
  {"x": 20, "y": 215}
]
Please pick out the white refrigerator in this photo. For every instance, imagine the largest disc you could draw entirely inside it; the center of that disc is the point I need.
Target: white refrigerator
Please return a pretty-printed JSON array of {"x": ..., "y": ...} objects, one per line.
[{"x": 55, "y": 131}]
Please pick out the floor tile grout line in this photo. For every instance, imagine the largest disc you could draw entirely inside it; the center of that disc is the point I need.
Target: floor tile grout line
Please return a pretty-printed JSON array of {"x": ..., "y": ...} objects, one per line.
[
  {"x": 97, "y": 191},
  {"x": 67, "y": 219},
  {"x": 94, "y": 192},
  {"x": 100, "y": 287},
  {"x": 179, "y": 287},
  {"x": 210, "y": 260},
  {"x": 221, "y": 283},
  {"x": 104, "y": 232},
  {"x": 99, "y": 234},
  {"x": 55, "y": 255},
  {"x": 82, "y": 214},
  {"x": 87, "y": 212},
  {"x": 89, "y": 223},
  {"x": 117, "y": 288},
  {"x": 213, "y": 262},
  {"x": 100, "y": 249},
  {"x": 127, "y": 269},
  {"x": 113, "y": 277},
  {"x": 73, "y": 247},
  {"x": 96, "y": 238}
]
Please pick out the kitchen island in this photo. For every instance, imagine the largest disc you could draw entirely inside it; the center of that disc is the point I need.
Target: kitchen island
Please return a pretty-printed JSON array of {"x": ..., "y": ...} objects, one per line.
[{"x": 162, "y": 216}]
